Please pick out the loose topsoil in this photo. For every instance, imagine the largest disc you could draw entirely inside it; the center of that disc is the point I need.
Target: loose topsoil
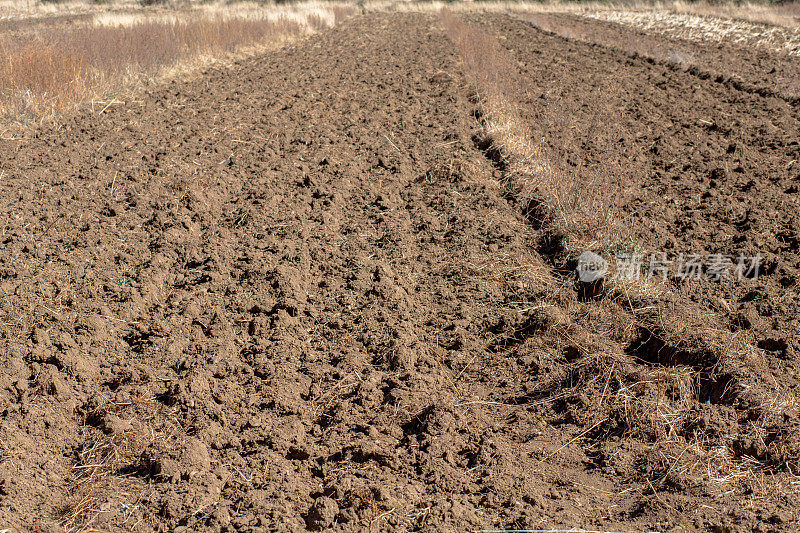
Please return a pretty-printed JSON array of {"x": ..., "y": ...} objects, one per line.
[{"x": 292, "y": 295}]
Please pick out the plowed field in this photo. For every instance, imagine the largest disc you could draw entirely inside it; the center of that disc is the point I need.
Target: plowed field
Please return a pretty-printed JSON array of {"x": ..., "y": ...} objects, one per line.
[{"x": 294, "y": 294}]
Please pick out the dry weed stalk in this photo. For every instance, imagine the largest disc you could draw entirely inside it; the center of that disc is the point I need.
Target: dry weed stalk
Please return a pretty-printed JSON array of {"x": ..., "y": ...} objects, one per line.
[{"x": 111, "y": 462}]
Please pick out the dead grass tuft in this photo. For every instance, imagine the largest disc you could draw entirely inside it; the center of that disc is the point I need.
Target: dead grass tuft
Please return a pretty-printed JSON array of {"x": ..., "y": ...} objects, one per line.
[{"x": 120, "y": 439}]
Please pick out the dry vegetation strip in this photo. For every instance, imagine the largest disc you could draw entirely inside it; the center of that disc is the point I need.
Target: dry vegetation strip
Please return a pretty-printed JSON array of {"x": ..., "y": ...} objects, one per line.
[
  {"x": 785, "y": 14},
  {"x": 53, "y": 68},
  {"x": 579, "y": 202}
]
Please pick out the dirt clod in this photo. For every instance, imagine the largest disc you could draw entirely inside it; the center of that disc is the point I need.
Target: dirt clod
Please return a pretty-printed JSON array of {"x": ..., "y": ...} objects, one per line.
[{"x": 322, "y": 513}]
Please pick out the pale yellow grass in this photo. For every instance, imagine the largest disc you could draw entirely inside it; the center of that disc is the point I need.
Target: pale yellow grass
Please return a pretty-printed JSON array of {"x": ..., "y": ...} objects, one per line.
[
  {"x": 299, "y": 13},
  {"x": 492, "y": 7},
  {"x": 771, "y": 26},
  {"x": 695, "y": 27},
  {"x": 50, "y": 68},
  {"x": 35, "y": 9},
  {"x": 579, "y": 204},
  {"x": 784, "y": 14}
]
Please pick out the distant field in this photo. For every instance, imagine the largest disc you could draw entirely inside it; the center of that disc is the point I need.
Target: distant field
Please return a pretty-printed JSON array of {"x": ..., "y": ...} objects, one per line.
[{"x": 57, "y": 56}]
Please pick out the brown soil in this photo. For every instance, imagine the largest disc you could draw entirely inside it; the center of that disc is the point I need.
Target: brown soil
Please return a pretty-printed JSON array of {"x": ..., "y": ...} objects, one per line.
[
  {"x": 291, "y": 295},
  {"x": 748, "y": 69}
]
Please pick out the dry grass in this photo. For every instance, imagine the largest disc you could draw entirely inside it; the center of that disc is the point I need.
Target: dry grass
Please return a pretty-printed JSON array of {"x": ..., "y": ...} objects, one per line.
[
  {"x": 109, "y": 470},
  {"x": 577, "y": 202},
  {"x": 690, "y": 25},
  {"x": 656, "y": 370},
  {"x": 775, "y": 26},
  {"x": 489, "y": 6},
  {"x": 674, "y": 50},
  {"x": 785, "y": 14},
  {"x": 50, "y": 69},
  {"x": 776, "y": 14},
  {"x": 15, "y": 10}
]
